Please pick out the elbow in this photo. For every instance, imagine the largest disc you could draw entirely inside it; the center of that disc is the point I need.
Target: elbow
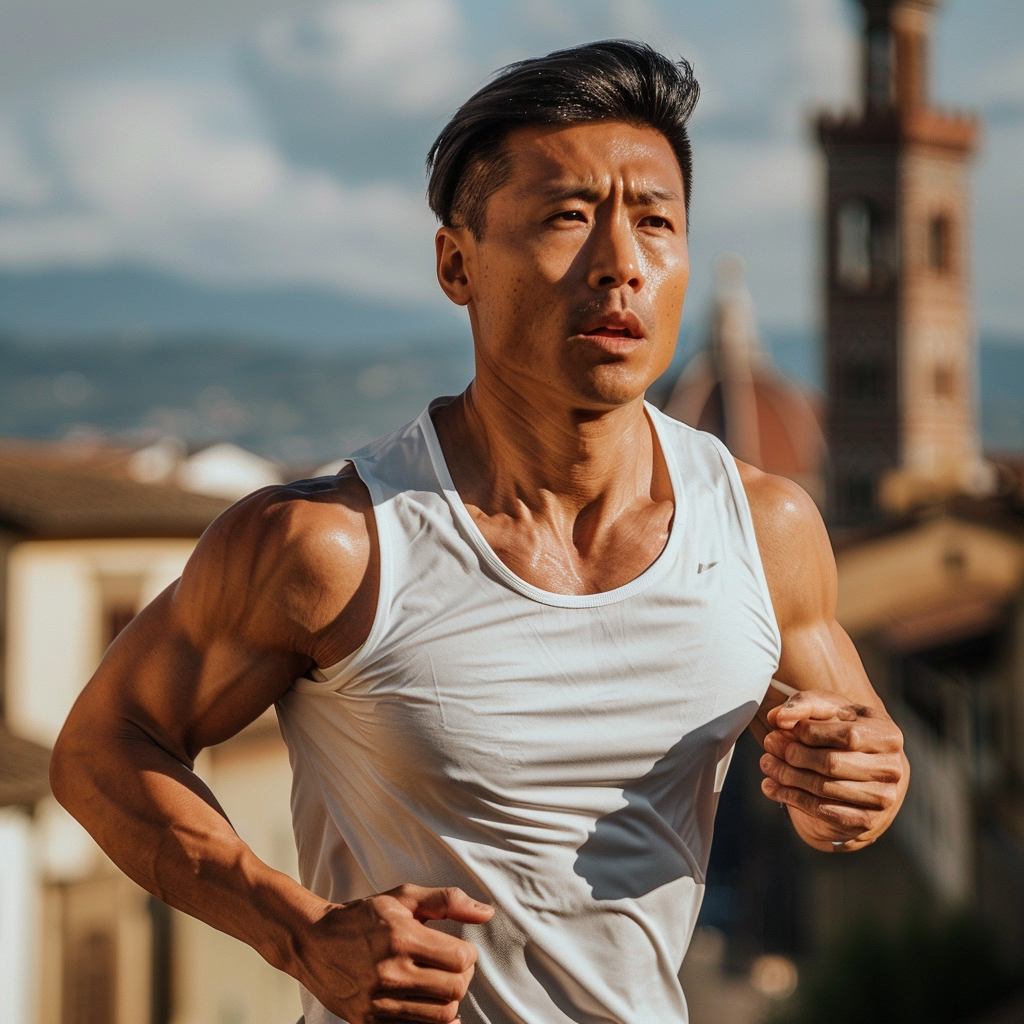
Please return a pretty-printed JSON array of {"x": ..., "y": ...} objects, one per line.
[{"x": 66, "y": 767}]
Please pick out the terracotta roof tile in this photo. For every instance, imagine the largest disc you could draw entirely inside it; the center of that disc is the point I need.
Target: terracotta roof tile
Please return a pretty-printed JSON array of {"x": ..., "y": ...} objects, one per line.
[
  {"x": 24, "y": 770},
  {"x": 45, "y": 497}
]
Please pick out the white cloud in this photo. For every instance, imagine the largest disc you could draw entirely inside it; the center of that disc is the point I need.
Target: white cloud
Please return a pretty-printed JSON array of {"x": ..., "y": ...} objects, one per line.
[
  {"x": 749, "y": 182},
  {"x": 825, "y": 52},
  {"x": 153, "y": 175},
  {"x": 144, "y": 149},
  {"x": 399, "y": 55}
]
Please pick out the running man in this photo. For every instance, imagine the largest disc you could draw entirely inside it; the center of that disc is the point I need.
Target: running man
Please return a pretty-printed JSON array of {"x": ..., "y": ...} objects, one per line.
[{"x": 512, "y": 644}]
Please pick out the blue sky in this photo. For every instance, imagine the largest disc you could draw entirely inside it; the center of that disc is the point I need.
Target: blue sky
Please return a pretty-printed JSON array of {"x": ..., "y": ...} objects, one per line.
[{"x": 268, "y": 144}]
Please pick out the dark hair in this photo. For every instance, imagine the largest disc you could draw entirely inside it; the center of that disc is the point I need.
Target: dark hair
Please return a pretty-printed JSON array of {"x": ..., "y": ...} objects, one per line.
[{"x": 612, "y": 80}]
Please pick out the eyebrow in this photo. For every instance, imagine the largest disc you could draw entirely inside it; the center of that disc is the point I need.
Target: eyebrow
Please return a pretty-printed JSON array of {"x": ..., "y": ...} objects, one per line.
[{"x": 589, "y": 194}]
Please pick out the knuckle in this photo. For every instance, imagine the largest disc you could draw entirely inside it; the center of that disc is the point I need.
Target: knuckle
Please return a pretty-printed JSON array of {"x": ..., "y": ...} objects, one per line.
[
  {"x": 398, "y": 942},
  {"x": 383, "y": 1009},
  {"x": 448, "y": 1012},
  {"x": 826, "y": 789},
  {"x": 831, "y": 814},
  {"x": 465, "y": 958},
  {"x": 456, "y": 988}
]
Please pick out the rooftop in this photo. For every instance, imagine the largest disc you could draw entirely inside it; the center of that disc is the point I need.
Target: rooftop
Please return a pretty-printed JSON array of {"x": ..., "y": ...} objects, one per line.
[
  {"x": 48, "y": 491},
  {"x": 24, "y": 770}
]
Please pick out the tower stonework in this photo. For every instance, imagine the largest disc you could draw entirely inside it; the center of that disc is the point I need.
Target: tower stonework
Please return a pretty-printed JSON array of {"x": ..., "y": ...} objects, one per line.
[{"x": 900, "y": 341}]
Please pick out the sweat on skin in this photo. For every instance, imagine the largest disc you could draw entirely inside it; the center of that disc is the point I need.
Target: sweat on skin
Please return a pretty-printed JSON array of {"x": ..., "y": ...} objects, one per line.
[{"x": 496, "y": 551}]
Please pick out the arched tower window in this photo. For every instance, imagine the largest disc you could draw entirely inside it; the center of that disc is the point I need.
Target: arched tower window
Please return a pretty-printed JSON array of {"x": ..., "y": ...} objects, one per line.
[
  {"x": 944, "y": 382},
  {"x": 940, "y": 244},
  {"x": 853, "y": 245},
  {"x": 865, "y": 256}
]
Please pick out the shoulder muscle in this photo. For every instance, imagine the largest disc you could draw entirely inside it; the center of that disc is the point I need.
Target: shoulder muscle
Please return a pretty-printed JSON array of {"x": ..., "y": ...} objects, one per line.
[
  {"x": 794, "y": 546},
  {"x": 289, "y": 568}
]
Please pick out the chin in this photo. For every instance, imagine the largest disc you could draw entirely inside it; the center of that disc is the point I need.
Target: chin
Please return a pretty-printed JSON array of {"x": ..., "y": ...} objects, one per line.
[{"x": 611, "y": 386}]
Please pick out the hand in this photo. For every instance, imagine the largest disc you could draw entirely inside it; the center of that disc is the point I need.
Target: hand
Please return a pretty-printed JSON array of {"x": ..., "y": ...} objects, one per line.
[
  {"x": 374, "y": 960},
  {"x": 839, "y": 768}
]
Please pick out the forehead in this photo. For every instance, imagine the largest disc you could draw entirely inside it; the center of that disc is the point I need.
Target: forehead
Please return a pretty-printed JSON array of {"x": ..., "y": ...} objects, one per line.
[{"x": 603, "y": 152}]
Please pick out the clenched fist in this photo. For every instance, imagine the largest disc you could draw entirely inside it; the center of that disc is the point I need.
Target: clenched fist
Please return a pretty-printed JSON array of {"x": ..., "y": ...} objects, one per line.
[
  {"x": 375, "y": 960},
  {"x": 838, "y": 766}
]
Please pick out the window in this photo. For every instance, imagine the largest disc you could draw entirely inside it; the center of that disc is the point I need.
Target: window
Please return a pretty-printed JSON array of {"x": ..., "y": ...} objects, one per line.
[
  {"x": 89, "y": 993},
  {"x": 940, "y": 244},
  {"x": 854, "y": 245},
  {"x": 120, "y": 597},
  {"x": 116, "y": 617},
  {"x": 864, "y": 381},
  {"x": 944, "y": 381},
  {"x": 865, "y": 247}
]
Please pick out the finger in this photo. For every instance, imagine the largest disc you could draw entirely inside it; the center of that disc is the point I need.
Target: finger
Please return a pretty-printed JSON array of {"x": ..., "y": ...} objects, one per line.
[
  {"x": 402, "y": 979},
  {"x": 872, "y": 795},
  {"x": 389, "y": 1010},
  {"x": 805, "y": 704},
  {"x": 851, "y": 765},
  {"x": 866, "y": 735},
  {"x": 450, "y": 904},
  {"x": 842, "y": 820},
  {"x": 430, "y": 948}
]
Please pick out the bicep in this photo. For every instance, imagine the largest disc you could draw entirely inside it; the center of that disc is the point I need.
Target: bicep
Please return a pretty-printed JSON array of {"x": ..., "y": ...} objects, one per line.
[
  {"x": 817, "y": 653},
  {"x": 183, "y": 688}
]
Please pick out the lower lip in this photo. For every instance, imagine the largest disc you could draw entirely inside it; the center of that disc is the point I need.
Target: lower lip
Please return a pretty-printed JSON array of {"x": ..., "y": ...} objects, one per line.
[{"x": 614, "y": 343}]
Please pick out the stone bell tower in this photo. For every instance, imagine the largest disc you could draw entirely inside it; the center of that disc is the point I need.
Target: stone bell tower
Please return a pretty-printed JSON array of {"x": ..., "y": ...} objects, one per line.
[{"x": 900, "y": 341}]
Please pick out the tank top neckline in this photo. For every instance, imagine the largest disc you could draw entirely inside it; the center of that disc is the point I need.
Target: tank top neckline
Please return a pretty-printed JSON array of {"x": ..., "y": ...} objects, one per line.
[{"x": 651, "y": 575}]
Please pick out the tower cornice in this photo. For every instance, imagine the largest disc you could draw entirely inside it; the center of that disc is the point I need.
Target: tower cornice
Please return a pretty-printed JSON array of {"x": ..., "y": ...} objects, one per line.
[{"x": 937, "y": 129}]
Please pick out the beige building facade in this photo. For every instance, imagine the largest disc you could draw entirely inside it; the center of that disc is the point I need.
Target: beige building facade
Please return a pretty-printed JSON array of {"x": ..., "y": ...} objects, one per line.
[{"x": 83, "y": 549}]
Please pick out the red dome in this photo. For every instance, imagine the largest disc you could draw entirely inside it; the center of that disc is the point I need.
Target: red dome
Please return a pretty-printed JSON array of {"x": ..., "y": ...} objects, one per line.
[{"x": 733, "y": 390}]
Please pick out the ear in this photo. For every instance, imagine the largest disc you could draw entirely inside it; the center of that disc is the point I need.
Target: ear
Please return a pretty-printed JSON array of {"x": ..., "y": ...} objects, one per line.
[{"x": 454, "y": 249}]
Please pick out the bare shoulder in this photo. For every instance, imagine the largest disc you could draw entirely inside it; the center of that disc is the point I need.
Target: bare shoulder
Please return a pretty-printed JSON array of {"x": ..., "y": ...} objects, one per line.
[
  {"x": 795, "y": 549},
  {"x": 291, "y": 566}
]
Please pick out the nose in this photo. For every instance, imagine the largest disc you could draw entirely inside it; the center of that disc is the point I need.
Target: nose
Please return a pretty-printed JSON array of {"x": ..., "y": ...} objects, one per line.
[{"x": 614, "y": 261}]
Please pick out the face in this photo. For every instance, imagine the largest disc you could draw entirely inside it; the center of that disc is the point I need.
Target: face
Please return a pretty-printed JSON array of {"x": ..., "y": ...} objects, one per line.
[{"x": 576, "y": 288}]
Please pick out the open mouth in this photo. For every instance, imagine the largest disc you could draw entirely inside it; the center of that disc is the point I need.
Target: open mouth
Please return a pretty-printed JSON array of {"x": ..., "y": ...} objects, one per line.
[
  {"x": 619, "y": 324},
  {"x": 611, "y": 332}
]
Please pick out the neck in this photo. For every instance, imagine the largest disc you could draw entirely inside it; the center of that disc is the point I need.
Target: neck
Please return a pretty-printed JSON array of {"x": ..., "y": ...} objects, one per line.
[{"x": 511, "y": 455}]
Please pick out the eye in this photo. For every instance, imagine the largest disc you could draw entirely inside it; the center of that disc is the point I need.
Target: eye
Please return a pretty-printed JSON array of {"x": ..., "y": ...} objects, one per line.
[
  {"x": 577, "y": 216},
  {"x": 656, "y": 221}
]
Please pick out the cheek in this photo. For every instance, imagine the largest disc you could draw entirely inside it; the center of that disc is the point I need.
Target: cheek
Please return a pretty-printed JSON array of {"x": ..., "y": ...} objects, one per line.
[{"x": 667, "y": 283}]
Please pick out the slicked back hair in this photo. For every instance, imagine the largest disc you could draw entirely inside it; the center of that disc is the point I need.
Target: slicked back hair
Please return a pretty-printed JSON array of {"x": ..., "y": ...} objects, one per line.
[{"x": 612, "y": 80}]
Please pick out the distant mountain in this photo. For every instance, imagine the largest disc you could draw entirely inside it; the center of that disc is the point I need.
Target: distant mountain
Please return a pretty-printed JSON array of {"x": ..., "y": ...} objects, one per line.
[
  {"x": 305, "y": 405},
  {"x": 299, "y": 406},
  {"x": 128, "y": 302}
]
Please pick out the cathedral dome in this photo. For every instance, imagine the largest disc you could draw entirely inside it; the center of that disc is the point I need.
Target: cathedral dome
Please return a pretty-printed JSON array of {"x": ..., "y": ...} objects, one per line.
[{"x": 732, "y": 389}]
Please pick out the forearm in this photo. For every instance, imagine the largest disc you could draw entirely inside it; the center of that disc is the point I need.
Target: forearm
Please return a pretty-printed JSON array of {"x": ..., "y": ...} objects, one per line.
[{"x": 163, "y": 827}]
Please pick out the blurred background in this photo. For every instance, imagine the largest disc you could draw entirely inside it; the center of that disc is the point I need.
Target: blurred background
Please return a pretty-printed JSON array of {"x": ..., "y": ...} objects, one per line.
[{"x": 216, "y": 271}]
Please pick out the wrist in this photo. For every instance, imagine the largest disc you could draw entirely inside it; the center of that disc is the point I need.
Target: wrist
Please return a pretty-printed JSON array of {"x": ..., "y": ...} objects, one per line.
[{"x": 284, "y": 914}]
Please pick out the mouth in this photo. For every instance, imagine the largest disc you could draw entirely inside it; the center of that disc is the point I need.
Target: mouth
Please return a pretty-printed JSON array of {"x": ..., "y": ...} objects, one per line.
[
  {"x": 610, "y": 332},
  {"x": 625, "y": 325}
]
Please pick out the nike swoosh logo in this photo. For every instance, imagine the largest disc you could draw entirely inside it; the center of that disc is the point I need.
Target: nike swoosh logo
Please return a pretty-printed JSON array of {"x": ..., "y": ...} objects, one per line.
[{"x": 704, "y": 566}]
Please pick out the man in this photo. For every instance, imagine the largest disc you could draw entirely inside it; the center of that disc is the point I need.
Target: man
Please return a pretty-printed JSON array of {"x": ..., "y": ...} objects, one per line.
[{"x": 511, "y": 645}]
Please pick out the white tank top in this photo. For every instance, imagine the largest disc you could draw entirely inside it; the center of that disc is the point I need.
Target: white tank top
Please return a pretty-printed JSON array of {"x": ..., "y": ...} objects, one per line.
[{"x": 558, "y": 756}]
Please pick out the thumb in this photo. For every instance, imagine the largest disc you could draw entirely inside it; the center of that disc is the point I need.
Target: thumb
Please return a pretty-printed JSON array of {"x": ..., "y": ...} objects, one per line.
[
  {"x": 807, "y": 704},
  {"x": 450, "y": 904}
]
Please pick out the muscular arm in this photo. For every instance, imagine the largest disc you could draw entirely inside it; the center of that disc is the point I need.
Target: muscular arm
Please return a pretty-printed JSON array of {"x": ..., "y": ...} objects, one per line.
[
  {"x": 833, "y": 755},
  {"x": 281, "y": 581}
]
